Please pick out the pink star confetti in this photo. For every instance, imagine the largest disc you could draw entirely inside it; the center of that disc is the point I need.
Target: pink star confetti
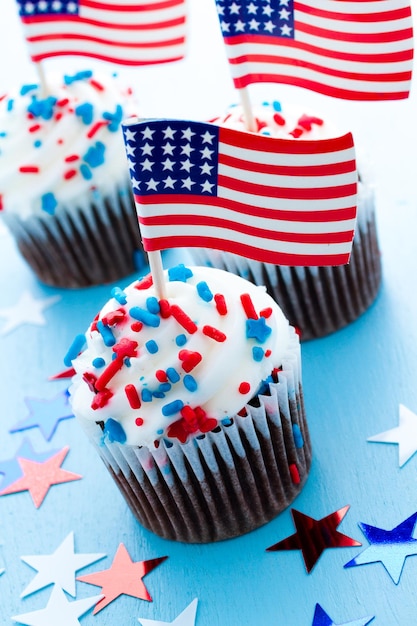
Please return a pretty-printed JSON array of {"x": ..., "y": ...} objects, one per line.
[
  {"x": 123, "y": 577},
  {"x": 38, "y": 478},
  {"x": 186, "y": 618}
]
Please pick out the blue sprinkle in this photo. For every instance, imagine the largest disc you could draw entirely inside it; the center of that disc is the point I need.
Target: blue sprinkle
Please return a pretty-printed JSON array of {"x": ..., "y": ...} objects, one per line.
[
  {"x": 160, "y": 431},
  {"x": 190, "y": 382},
  {"x": 3, "y": 134},
  {"x": 277, "y": 106},
  {"x": 10, "y": 104},
  {"x": 42, "y": 108},
  {"x": 95, "y": 154},
  {"x": 98, "y": 362},
  {"x": 106, "y": 333},
  {"x": 146, "y": 395},
  {"x": 164, "y": 387},
  {"x": 114, "y": 431},
  {"x": 37, "y": 143},
  {"x": 179, "y": 273},
  {"x": 74, "y": 349},
  {"x": 86, "y": 112},
  {"x": 85, "y": 171},
  {"x": 158, "y": 394},
  {"x": 257, "y": 353},
  {"x": 78, "y": 76},
  {"x": 227, "y": 421},
  {"x": 266, "y": 132},
  {"x": 172, "y": 374},
  {"x": 298, "y": 437},
  {"x": 181, "y": 340},
  {"x": 152, "y": 346},
  {"x": 144, "y": 316},
  {"x": 152, "y": 305},
  {"x": 114, "y": 119},
  {"x": 26, "y": 88},
  {"x": 127, "y": 362},
  {"x": 204, "y": 291},
  {"x": 49, "y": 203},
  {"x": 119, "y": 295},
  {"x": 172, "y": 408},
  {"x": 258, "y": 329}
]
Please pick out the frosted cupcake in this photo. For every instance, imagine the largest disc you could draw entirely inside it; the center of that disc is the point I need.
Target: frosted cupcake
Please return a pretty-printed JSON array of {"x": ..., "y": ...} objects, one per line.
[
  {"x": 64, "y": 189},
  {"x": 194, "y": 403},
  {"x": 316, "y": 300}
]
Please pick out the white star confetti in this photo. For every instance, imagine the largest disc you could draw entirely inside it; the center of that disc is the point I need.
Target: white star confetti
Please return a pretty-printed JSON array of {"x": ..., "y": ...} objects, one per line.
[
  {"x": 58, "y": 611},
  {"x": 405, "y": 435},
  {"x": 27, "y": 310},
  {"x": 186, "y": 618}
]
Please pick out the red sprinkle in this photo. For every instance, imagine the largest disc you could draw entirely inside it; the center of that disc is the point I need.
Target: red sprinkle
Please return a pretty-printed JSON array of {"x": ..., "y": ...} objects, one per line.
[
  {"x": 1, "y": 203},
  {"x": 296, "y": 133},
  {"x": 221, "y": 306},
  {"x": 113, "y": 318},
  {"x": 295, "y": 475},
  {"x": 161, "y": 376},
  {"x": 248, "y": 307},
  {"x": 138, "y": 421},
  {"x": 58, "y": 116},
  {"x": 266, "y": 312},
  {"x": 244, "y": 388},
  {"x": 91, "y": 380},
  {"x": 307, "y": 121},
  {"x": 279, "y": 119},
  {"x": 214, "y": 333},
  {"x": 136, "y": 327},
  {"x": 110, "y": 371},
  {"x": 133, "y": 396},
  {"x": 164, "y": 308},
  {"x": 101, "y": 399},
  {"x": 70, "y": 174},
  {"x": 29, "y": 169},
  {"x": 268, "y": 353},
  {"x": 62, "y": 102},
  {"x": 95, "y": 128},
  {"x": 35, "y": 128},
  {"x": 145, "y": 283},
  {"x": 71, "y": 157},
  {"x": 96, "y": 84},
  {"x": 182, "y": 318},
  {"x": 189, "y": 359},
  {"x": 126, "y": 348}
]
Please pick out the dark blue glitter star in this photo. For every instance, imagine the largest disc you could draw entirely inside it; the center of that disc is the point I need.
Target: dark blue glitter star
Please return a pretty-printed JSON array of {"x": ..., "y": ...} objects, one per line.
[{"x": 322, "y": 619}]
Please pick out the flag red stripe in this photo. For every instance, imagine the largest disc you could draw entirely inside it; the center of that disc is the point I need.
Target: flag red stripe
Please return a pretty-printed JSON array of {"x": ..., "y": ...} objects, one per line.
[
  {"x": 398, "y": 35},
  {"x": 287, "y": 170},
  {"x": 383, "y": 57},
  {"x": 288, "y": 193},
  {"x": 109, "y": 42},
  {"x": 277, "y": 258},
  {"x": 129, "y": 8},
  {"x": 207, "y": 220},
  {"x": 383, "y": 16},
  {"x": 102, "y": 57},
  {"x": 178, "y": 21},
  {"x": 331, "y": 215},
  {"x": 336, "y": 92}
]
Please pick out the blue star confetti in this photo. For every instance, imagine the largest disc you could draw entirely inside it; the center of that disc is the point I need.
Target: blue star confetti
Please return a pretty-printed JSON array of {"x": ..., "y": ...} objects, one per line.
[
  {"x": 45, "y": 414},
  {"x": 322, "y": 619},
  {"x": 389, "y": 547},
  {"x": 10, "y": 469}
]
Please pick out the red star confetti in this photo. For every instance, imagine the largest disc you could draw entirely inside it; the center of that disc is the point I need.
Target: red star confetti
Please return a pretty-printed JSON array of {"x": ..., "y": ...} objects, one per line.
[
  {"x": 186, "y": 618},
  {"x": 38, "y": 478},
  {"x": 67, "y": 373},
  {"x": 123, "y": 577},
  {"x": 27, "y": 310},
  {"x": 314, "y": 536},
  {"x": 58, "y": 611},
  {"x": 405, "y": 435},
  {"x": 58, "y": 568}
]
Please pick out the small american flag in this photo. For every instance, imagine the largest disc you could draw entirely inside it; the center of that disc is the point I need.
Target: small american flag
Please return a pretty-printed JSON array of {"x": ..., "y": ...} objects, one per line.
[
  {"x": 274, "y": 200},
  {"x": 357, "y": 50},
  {"x": 126, "y": 32}
]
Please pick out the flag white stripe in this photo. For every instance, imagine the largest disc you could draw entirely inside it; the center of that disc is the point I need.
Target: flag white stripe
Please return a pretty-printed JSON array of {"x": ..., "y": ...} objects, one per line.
[
  {"x": 119, "y": 36},
  {"x": 123, "y": 55},
  {"x": 362, "y": 7},
  {"x": 351, "y": 27},
  {"x": 272, "y": 158},
  {"x": 135, "y": 17}
]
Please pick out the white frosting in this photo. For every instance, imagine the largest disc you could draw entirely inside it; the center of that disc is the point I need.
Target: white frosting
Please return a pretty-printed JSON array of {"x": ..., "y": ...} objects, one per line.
[
  {"x": 224, "y": 366},
  {"x": 58, "y": 147}
]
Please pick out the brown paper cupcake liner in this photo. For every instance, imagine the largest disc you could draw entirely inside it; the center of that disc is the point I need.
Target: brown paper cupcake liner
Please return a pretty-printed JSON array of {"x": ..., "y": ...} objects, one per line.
[
  {"x": 316, "y": 300},
  {"x": 96, "y": 242},
  {"x": 224, "y": 483}
]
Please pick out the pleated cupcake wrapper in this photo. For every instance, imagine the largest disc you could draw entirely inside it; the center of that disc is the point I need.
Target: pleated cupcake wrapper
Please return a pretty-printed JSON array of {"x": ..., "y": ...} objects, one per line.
[
  {"x": 316, "y": 300},
  {"x": 92, "y": 243},
  {"x": 226, "y": 482}
]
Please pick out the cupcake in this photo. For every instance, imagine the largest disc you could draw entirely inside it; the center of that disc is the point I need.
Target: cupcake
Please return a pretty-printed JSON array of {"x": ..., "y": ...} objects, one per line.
[
  {"x": 316, "y": 300},
  {"x": 194, "y": 402},
  {"x": 64, "y": 190}
]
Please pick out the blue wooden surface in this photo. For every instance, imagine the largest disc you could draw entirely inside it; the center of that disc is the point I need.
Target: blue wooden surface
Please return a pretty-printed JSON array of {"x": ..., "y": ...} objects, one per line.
[{"x": 354, "y": 382}]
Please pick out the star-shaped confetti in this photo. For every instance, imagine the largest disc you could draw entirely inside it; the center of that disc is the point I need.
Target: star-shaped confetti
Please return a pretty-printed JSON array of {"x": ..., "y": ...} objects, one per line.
[
  {"x": 38, "y": 478},
  {"x": 58, "y": 568},
  {"x": 123, "y": 577},
  {"x": 45, "y": 414},
  {"x": 389, "y": 547},
  {"x": 405, "y": 435},
  {"x": 67, "y": 373},
  {"x": 186, "y": 618},
  {"x": 58, "y": 611},
  {"x": 314, "y": 536},
  {"x": 322, "y": 619},
  {"x": 27, "y": 310},
  {"x": 10, "y": 469}
]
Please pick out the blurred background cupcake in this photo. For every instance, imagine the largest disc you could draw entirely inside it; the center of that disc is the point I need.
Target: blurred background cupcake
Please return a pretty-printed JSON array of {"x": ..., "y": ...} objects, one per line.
[
  {"x": 65, "y": 191},
  {"x": 316, "y": 300},
  {"x": 194, "y": 402}
]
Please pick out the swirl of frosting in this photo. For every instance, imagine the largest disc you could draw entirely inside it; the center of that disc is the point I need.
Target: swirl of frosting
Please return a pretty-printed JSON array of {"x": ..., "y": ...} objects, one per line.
[
  {"x": 58, "y": 146},
  {"x": 155, "y": 369}
]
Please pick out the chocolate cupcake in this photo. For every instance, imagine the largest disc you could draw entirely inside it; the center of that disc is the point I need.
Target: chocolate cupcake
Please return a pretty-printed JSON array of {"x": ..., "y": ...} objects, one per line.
[
  {"x": 65, "y": 191},
  {"x": 194, "y": 402},
  {"x": 316, "y": 300}
]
